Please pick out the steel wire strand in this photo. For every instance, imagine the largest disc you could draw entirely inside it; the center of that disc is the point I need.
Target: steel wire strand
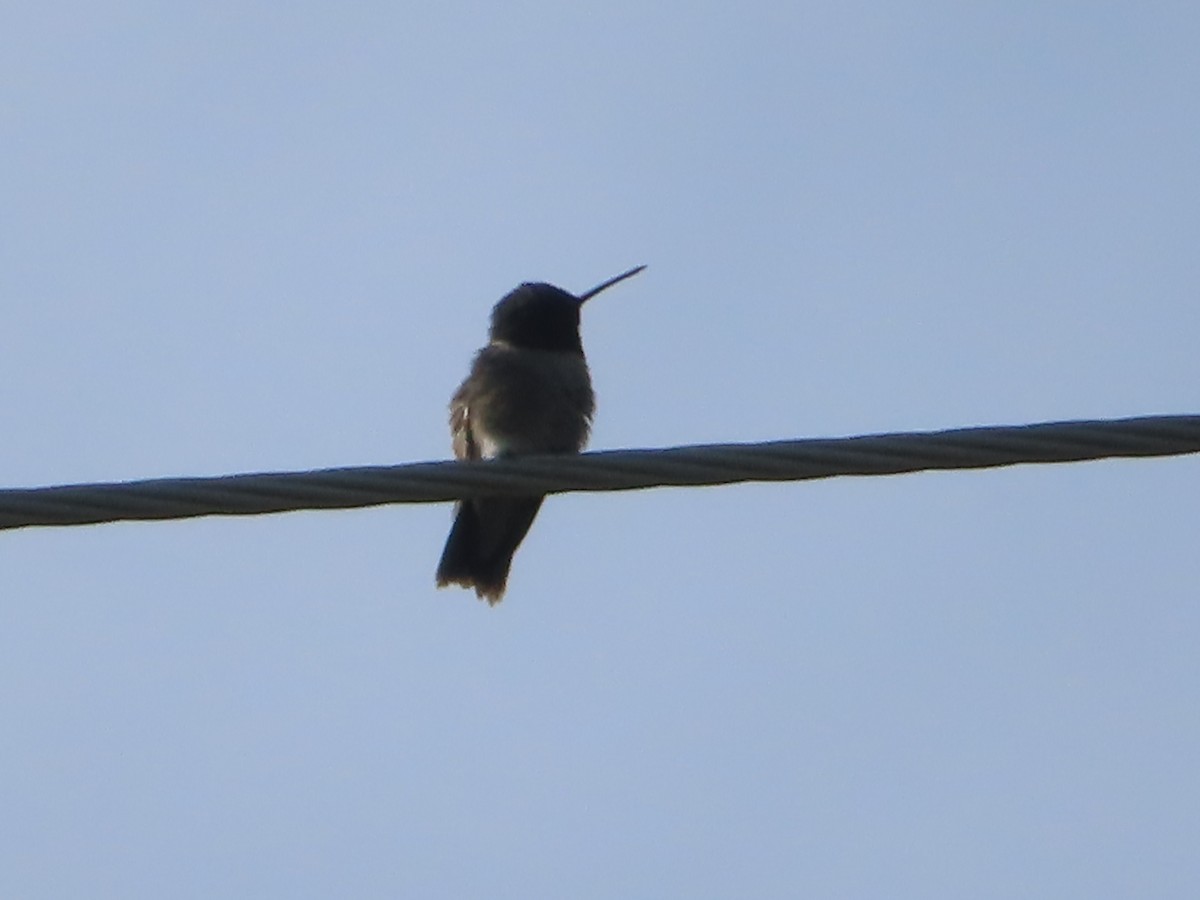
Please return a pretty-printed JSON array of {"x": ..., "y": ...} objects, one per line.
[{"x": 613, "y": 470}]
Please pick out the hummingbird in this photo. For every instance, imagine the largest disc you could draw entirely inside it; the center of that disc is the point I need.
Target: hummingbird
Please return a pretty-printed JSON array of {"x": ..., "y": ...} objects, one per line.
[{"x": 528, "y": 392}]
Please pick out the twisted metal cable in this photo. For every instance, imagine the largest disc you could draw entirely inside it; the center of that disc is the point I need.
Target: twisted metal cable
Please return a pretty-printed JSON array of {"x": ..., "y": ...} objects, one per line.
[{"x": 614, "y": 470}]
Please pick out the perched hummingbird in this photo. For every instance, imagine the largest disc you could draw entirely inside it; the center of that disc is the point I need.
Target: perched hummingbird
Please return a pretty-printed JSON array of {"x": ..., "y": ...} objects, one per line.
[{"x": 528, "y": 392}]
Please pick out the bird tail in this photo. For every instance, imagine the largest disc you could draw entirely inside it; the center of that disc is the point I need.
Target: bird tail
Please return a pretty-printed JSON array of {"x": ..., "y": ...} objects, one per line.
[{"x": 485, "y": 535}]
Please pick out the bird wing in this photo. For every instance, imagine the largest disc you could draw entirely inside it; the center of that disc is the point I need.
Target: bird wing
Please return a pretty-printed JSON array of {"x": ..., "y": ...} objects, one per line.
[{"x": 463, "y": 438}]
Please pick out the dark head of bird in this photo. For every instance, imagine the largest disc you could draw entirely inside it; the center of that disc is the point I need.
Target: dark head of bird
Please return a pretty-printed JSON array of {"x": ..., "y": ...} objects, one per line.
[{"x": 538, "y": 316}]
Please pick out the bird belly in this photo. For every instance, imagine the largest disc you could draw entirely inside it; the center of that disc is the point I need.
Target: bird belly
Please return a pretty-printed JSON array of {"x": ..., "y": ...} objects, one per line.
[{"x": 531, "y": 402}]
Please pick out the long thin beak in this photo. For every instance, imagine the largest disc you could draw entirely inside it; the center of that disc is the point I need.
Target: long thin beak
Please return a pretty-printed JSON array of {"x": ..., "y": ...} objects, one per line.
[{"x": 583, "y": 298}]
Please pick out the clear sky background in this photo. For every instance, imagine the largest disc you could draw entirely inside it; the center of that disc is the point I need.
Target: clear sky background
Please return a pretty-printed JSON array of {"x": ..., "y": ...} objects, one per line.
[{"x": 244, "y": 237}]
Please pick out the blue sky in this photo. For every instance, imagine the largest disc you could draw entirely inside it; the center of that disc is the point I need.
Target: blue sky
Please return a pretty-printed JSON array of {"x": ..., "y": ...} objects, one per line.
[{"x": 244, "y": 237}]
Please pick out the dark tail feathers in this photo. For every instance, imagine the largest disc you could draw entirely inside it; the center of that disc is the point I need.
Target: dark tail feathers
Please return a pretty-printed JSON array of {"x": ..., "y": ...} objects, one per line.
[{"x": 486, "y": 534}]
